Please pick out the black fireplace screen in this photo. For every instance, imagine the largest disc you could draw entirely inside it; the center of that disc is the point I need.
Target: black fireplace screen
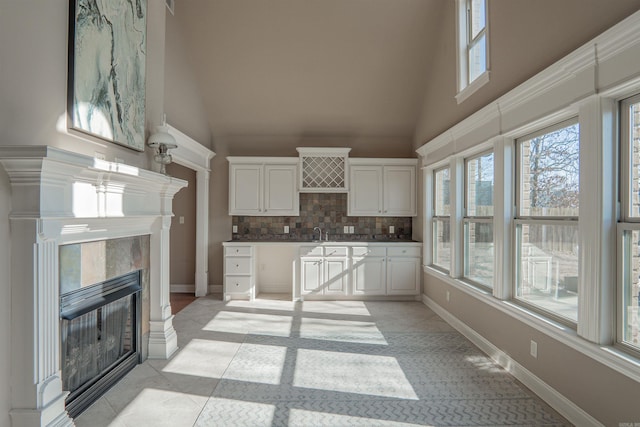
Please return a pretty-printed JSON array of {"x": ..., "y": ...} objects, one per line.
[{"x": 99, "y": 338}]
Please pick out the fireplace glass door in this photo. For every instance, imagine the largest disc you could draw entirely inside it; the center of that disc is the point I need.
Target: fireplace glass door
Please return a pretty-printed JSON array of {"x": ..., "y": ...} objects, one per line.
[{"x": 99, "y": 338}]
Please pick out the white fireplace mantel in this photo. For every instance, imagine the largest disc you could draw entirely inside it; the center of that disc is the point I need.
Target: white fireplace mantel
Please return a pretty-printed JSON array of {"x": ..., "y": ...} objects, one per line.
[{"x": 59, "y": 197}]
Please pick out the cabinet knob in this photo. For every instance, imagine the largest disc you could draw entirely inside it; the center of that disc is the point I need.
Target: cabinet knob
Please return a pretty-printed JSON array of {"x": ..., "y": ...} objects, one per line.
[
  {"x": 237, "y": 265},
  {"x": 237, "y": 250},
  {"x": 404, "y": 251},
  {"x": 237, "y": 284}
]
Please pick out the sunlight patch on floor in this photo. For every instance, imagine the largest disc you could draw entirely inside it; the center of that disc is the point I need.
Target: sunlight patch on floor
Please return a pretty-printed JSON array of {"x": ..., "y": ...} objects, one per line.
[
  {"x": 352, "y": 373},
  {"x": 161, "y": 408},
  {"x": 243, "y": 323},
  {"x": 202, "y": 358},
  {"x": 257, "y": 364},
  {"x": 350, "y": 308},
  {"x": 341, "y": 330}
]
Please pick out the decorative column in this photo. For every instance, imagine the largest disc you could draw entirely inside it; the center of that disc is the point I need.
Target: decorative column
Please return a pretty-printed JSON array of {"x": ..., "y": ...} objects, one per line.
[{"x": 163, "y": 341}]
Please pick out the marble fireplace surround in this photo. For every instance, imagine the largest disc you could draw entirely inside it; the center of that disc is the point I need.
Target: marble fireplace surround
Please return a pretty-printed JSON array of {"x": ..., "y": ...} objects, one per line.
[{"x": 61, "y": 198}]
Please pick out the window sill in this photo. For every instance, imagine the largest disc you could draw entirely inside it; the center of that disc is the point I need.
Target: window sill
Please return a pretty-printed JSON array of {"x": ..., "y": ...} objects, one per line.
[
  {"x": 608, "y": 355},
  {"x": 472, "y": 87}
]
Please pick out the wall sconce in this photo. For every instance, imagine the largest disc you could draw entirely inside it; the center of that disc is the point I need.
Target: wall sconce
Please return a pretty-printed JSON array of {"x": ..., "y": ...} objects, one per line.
[{"x": 162, "y": 141}]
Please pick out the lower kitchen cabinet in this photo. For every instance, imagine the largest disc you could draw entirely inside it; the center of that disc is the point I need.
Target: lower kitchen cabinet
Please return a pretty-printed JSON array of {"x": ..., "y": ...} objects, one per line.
[
  {"x": 324, "y": 271},
  {"x": 369, "y": 270},
  {"x": 239, "y": 269},
  {"x": 328, "y": 271},
  {"x": 391, "y": 270}
]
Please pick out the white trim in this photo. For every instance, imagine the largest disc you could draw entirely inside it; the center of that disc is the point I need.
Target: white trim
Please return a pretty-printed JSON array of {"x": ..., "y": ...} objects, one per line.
[
  {"x": 607, "y": 355},
  {"x": 182, "y": 288},
  {"x": 473, "y": 87},
  {"x": 263, "y": 160},
  {"x": 323, "y": 151},
  {"x": 190, "y": 153},
  {"x": 195, "y": 156},
  {"x": 357, "y": 161},
  {"x": 559, "y": 402}
]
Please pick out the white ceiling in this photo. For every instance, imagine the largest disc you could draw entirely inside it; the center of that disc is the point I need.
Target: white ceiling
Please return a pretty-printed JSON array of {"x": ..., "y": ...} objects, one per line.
[{"x": 304, "y": 67}]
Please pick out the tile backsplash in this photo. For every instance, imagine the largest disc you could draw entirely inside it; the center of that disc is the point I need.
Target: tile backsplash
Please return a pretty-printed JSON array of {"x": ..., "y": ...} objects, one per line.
[{"x": 327, "y": 211}]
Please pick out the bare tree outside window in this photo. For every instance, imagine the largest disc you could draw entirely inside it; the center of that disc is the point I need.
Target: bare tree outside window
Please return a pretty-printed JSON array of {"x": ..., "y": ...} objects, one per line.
[{"x": 549, "y": 188}]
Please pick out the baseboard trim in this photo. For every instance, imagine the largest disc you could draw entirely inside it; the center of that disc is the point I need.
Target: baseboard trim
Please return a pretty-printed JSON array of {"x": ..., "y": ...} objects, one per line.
[
  {"x": 182, "y": 288},
  {"x": 191, "y": 289},
  {"x": 556, "y": 400}
]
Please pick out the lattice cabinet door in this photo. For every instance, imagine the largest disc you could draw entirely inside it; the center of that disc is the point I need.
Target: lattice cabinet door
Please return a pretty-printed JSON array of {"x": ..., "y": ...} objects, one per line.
[{"x": 323, "y": 170}]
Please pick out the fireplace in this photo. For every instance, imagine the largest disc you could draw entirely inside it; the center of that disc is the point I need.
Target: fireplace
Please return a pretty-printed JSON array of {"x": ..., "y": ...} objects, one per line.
[
  {"x": 99, "y": 338},
  {"x": 61, "y": 200}
]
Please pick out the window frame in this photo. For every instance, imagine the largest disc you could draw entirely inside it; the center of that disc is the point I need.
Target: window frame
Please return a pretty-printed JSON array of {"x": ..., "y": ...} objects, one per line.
[
  {"x": 475, "y": 219},
  {"x": 439, "y": 218},
  {"x": 465, "y": 42},
  {"x": 520, "y": 220},
  {"x": 627, "y": 223}
]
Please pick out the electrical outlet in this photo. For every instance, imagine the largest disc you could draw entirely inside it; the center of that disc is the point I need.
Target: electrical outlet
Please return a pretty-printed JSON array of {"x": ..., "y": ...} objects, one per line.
[
  {"x": 98, "y": 155},
  {"x": 351, "y": 229},
  {"x": 392, "y": 229},
  {"x": 181, "y": 220},
  {"x": 448, "y": 296},
  {"x": 234, "y": 229},
  {"x": 286, "y": 229},
  {"x": 262, "y": 267},
  {"x": 346, "y": 229},
  {"x": 534, "y": 349}
]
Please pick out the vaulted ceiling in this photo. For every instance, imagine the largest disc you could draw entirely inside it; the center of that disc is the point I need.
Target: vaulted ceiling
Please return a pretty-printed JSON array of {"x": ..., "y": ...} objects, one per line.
[{"x": 296, "y": 67}]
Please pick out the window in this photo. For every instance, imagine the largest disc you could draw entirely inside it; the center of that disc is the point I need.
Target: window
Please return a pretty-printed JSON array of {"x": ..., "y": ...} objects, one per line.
[
  {"x": 547, "y": 221},
  {"x": 441, "y": 219},
  {"x": 478, "y": 220},
  {"x": 629, "y": 294},
  {"x": 473, "y": 47}
]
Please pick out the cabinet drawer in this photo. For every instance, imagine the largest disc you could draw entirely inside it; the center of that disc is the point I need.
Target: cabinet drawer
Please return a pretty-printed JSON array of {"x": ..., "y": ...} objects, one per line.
[
  {"x": 336, "y": 251},
  {"x": 409, "y": 251},
  {"x": 369, "y": 251},
  {"x": 237, "y": 284},
  {"x": 237, "y": 250},
  {"x": 311, "y": 251},
  {"x": 237, "y": 265}
]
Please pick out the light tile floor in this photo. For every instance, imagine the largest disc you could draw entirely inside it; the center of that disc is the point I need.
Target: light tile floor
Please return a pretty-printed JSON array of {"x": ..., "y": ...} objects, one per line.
[{"x": 318, "y": 363}]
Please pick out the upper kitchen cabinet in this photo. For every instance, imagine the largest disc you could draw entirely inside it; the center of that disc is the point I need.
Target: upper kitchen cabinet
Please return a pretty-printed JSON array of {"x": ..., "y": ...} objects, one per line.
[
  {"x": 263, "y": 186},
  {"x": 382, "y": 187}
]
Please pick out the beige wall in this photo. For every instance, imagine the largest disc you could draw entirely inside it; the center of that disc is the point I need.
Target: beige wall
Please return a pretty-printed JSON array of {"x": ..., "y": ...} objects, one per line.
[
  {"x": 182, "y": 97},
  {"x": 183, "y": 236},
  {"x": 605, "y": 394},
  {"x": 525, "y": 37}
]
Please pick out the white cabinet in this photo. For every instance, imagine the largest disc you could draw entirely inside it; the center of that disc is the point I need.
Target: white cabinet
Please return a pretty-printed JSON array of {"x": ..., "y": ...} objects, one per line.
[
  {"x": 239, "y": 276},
  {"x": 384, "y": 187},
  {"x": 403, "y": 270},
  {"x": 391, "y": 270},
  {"x": 263, "y": 186},
  {"x": 369, "y": 270},
  {"x": 324, "y": 271}
]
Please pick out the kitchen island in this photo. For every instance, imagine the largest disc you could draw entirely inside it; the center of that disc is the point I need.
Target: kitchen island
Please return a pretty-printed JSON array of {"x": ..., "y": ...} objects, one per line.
[{"x": 330, "y": 270}]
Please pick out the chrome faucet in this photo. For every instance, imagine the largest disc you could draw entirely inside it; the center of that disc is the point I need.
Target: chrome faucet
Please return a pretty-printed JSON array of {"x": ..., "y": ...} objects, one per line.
[{"x": 319, "y": 232}]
